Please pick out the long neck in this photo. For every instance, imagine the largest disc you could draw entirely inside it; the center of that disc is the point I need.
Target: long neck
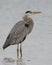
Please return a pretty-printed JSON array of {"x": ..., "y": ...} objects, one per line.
[{"x": 29, "y": 21}]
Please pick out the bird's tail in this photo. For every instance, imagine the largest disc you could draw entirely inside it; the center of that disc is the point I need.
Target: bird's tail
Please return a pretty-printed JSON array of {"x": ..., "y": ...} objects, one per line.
[{"x": 5, "y": 46}]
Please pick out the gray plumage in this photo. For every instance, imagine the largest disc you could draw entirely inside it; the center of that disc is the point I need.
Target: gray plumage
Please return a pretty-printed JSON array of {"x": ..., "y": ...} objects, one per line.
[{"x": 19, "y": 32}]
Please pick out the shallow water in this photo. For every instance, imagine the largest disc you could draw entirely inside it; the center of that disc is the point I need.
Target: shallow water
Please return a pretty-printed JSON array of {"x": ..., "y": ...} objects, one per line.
[{"x": 10, "y": 61}]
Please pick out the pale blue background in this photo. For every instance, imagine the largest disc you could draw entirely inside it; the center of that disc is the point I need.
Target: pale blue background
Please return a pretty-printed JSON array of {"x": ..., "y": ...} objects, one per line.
[{"x": 37, "y": 48}]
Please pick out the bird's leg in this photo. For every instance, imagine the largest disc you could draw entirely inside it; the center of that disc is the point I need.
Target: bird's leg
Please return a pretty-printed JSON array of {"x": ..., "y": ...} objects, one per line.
[
  {"x": 18, "y": 51},
  {"x": 21, "y": 50}
]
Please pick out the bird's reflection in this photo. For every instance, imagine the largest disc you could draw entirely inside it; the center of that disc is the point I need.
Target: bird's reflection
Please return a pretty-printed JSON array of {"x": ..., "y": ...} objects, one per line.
[
  {"x": 20, "y": 62},
  {"x": 10, "y": 61}
]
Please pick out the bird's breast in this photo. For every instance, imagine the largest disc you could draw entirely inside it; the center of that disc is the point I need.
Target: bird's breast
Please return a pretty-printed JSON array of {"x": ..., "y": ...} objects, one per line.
[
  {"x": 29, "y": 27},
  {"x": 26, "y": 25}
]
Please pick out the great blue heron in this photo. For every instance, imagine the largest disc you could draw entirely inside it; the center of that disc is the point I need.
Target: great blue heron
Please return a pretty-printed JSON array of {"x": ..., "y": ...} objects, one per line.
[{"x": 19, "y": 32}]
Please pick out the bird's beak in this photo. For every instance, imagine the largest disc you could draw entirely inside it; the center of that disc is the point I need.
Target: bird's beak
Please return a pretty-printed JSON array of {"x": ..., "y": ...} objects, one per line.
[{"x": 36, "y": 12}]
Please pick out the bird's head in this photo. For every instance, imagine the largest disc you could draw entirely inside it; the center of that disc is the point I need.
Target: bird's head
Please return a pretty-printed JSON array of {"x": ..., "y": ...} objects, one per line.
[{"x": 30, "y": 12}]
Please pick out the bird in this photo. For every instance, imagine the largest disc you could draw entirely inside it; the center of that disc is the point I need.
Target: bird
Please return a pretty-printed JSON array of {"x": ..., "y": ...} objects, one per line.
[{"x": 20, "y": 31}]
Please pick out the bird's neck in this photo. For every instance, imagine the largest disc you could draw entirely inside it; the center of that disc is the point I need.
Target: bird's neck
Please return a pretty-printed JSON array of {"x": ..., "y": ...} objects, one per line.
[{"x": 29, "y": 21}]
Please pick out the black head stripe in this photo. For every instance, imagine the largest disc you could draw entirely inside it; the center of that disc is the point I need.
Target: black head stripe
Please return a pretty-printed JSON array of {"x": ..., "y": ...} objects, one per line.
[{"x": 28, "y": 12}]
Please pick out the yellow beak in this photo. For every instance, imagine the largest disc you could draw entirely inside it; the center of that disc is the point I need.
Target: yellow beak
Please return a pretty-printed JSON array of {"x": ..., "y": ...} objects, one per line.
[{"x": 36, "y": 12}]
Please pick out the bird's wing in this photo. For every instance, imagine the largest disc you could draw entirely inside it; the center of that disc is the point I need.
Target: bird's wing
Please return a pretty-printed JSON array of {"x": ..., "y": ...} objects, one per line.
[{"x": 17, "y": 33}]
